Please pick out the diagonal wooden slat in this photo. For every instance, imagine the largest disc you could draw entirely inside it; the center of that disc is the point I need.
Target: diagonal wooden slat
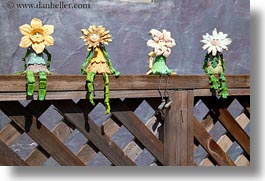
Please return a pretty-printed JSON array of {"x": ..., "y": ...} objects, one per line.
[
  {"x": 234, "y": 129},
  {"x": 92, "y": 132},
  {"x": 16, "y": 112},
  {"x": 210, "y": 145},
  {"x": 137, "y": 128},
  {"x": 218, "y": 110},
  {"x": 10, "y": 133},
  {"x": 9, "y": 157},
  {"x": 38, "y": 156}
]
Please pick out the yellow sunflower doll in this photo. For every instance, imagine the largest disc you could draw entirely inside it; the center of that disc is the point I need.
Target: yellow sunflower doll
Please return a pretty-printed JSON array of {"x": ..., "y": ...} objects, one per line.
[
  {"x": 98, "y": 61},
  {"x": 35, "y": 38}
]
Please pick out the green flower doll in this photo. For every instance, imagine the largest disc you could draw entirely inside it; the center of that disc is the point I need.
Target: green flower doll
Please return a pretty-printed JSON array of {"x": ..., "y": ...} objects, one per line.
[
  {"x": 35, "y": 38},
  {"x": 98, "y": 61},
  {"x": 161, "y": 42},
  {"x": 214, "y": 61}
]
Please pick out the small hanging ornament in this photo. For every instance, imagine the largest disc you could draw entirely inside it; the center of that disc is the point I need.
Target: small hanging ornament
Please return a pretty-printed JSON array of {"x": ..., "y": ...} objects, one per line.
[
  {"x": 98, "y": 61},
  {"x": 35, "y": 38},
  {"x": 161, "y": 42},
  {"x": 214, "y": 62}
]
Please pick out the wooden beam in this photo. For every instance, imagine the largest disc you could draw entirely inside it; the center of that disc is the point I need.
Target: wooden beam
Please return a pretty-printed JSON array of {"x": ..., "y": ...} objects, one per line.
[
  {"x": 178, "y": 130},
  {"x": 64, "y": 83}
]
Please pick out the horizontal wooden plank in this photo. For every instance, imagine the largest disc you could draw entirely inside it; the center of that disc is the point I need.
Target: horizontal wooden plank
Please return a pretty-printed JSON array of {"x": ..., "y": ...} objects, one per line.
[
  {"x": 17, "y": 83},
  {"x": 232, "y": 92}
]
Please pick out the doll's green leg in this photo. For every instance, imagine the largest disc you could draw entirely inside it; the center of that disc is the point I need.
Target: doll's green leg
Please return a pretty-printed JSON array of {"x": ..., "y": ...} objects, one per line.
[
  {"x": 90, "y": 87},
  {"x": 106, "y": 93},
  {"x": 223, "y": 91},
  {"x": 42, "y": 85},
  {"x": 30, "y": 82}
]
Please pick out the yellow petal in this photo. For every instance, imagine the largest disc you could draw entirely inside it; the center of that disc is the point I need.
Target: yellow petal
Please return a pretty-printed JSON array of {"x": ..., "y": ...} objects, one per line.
[
  {"x": 48, "y": 40},
  {"x": 25, "y": 29},
  {"x": 25, "y": 42},
  {"x": 47, "y": 30},
  {"x": 38, "y": 47},
  {"x": 36, "y": 23},
  {"x": 88, "y": 48},
  {"x": 84, "y": 31}
]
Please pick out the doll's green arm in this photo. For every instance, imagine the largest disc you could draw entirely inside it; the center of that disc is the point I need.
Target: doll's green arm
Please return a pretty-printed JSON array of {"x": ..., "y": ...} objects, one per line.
[
  {"x": 24, "y": 58},
  {"x": 106, "y": 55},
  {"x": 88, "y": 58},
  {"x": 223, "y": 62},
  {"x": 205, "y": 64},
  {"x": 48, "y": 58}
]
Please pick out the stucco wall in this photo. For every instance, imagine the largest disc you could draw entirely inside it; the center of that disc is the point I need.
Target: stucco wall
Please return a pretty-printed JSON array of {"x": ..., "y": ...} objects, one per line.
[{"x": 129, "y": 24}]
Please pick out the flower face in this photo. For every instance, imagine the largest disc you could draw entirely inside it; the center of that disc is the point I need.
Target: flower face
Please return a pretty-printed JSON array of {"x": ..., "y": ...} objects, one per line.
[
  {"x": 94, "y": 36},
  {"x": 216, "y": 42},
  {"x": 161, "y": 42},
  {"x": 36, "y": 35}
]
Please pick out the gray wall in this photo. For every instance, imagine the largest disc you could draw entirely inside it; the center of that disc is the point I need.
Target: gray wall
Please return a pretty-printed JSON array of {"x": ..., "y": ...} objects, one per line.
[{"x": 129, "y": 24}]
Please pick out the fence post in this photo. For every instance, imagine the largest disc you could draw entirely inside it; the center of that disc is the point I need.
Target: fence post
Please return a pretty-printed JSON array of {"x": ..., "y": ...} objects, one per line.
[{"x": 178, "y": 130}]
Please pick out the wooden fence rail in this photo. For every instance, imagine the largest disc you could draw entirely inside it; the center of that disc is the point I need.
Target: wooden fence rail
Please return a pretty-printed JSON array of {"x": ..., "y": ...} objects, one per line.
[{"x": 199, "y": 128}]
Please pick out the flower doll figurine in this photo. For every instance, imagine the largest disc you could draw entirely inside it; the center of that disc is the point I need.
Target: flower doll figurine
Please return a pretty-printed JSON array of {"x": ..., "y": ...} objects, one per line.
[
  {"x": 98, "y": 61},
  {"x": 35, "y": 38},
  {"x": 161, "y": 42},
  {"x": 214, "y": 61}
]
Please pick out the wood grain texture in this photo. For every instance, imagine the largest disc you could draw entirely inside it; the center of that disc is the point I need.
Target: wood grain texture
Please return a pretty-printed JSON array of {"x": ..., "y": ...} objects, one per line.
[
  {"x": 17, "y": 83},
  {"x": 9, "y": 157},
  {"x": 207, "y": 142},
  {"x": 178, "y": 130}
]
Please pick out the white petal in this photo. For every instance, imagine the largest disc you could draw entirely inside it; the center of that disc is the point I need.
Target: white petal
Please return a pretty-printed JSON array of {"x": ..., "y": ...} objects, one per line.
[
  {"x": 151, "y": 43},
  {"x": 204, "y": 41},
  {"x": 210, "y": 49},
  {"x": 224, "y": 47},
  {"x": 171, "y": 44},
  {"x": 227, "y": 41},
  {"x": 219, "y": 49},
  {"x": 206, "y": 46},
  {"x": 215, "y": 34},
  {"x": 214, "y": 51},
  {"x": 222, "y": 35},
  {"x": 166, "y": 35}
]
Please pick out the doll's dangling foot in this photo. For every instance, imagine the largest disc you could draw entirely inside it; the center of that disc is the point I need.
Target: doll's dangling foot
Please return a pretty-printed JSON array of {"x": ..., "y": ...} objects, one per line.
[
  {"x": 30, "y": 82},
  {"x": 169, "y": 102},
  {"x": 162, "y": 104}
]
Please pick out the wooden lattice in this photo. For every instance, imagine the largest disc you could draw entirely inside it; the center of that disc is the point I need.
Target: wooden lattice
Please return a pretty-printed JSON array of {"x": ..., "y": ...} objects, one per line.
[
  {"x": 218, "y": 132},
  {"x": 169, "y": 137}
]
